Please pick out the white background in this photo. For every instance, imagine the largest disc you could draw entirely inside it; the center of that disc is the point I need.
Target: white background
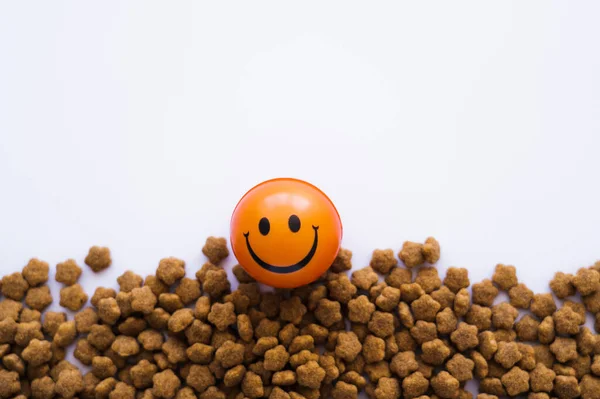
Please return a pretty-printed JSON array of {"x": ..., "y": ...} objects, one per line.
[{"x": 138, "y": 125}]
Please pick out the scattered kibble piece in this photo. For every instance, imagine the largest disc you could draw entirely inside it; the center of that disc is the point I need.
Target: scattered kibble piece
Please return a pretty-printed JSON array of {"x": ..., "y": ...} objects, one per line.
[
  {"x": 68, "y": 272},
  {"x": 98, "y": 258}
]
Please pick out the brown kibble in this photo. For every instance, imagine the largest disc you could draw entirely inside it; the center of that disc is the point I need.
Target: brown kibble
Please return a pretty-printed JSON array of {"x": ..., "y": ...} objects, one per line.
[
  {"x": 14, "y": 286},
  {"x": 215, "y": 249},
  {"x": 562, "y": 285},
  {"x": 342, "y": 262},
  {"x": 42, "y": 388},
  {"x": 28, "y": 315},
  {"x": 105, "y": 387},
  {"x": 364, "y": 278},
  {"x": 527, "y": 328},
  {"x": 564, "y": 349},
  {"x": 73, "y": 297},
  {"x": 382, "y": 324},
  {"x": 142, "y": 374},
  {"x": 431, "y": 250},
  {"x": 267, "y": 328},
  {"x": 170, "y": 270},
  {"x": 428, "y": 278},
  {"x": 25, "y": 332},
  {"x": 310, "y": 374},
  {"x": 462, "y": 302},
  {"x": 122, "y": 391},
  {"x": 341, "y": 289},
  {"x": 388, "y": 299},
  {"x": 170, "y": 302},
  {"x": 65, "y": 334},
  {"x": 411, "y": 254},
  {"x": 566, "y": 321},
  {"x": 276, "y": 358},
  {"x": 405, "y": 315},
  {"x": 444, "y": 385},
  {"x": 329, "y": 312},
  {"x": 542, "y": 378},
  {"x": 360, "y": 310},
  {"x": 415, "y": 385},
  {"x": 180, "y": 320},
  {"x": 128, "y": 281},
  {"x": 348, "y": 346},
  {"x": 465, "y": 336},
  {"x": 435, "y": 352},
  {"x": 38, "y": 298},
  {"x": 484, "y": 293},
  {"x": 456, "y": 279},
  {"x": 586, "y": 341},
  {"x": 68, "y": 272},
  {"x": 201, "y": 353},
  {"x": 398, "y": 276},
  {"x": 230, "y": 354},
  {"x": 566, "y": 387},
  {"x": 504, "y": 315},
  {"x": 234, "y": 376},
  {"x": 108, "y": 310},
  {"x": 103, "y": 367},
  {"x": 546, "y": 332},
  {"x": 425, "y": 308},
  {"x": 156, "y": 285},
  {"x": 10, "y": 309},
  {"x": 343, "y": 390},
  {"x": 175, "y": 349},
  {"x": 242, "y": 275},
  {"x": 446, "y": 321},
  {"x": 143, "y": 300},
  {"x": 292, "y": 310},
  {"x": 586, "y": 281},
  {"x": 69, "y": 383},
  {"x": 188, "y": 290},
  {"x": 101, "y": 337},
  {"x": 300, "y": 343},
  {"x": 589, "y": 386},
  {"x": 461, "y": 367},
  {"x": 444, "y": 297},
  {"x": 403, "y": 364},
  {"x": 373, "y": 349},
  {"x": 165, "y": 384},
  {"x": 98, "y": 258},
  {"x": 85, "y": 352},
  {"x": 423, "y": 331},
  {"x": 387, "y": 388},
  {"x": 36, "y": 272},
  {"x": 244, "y": 326},
  {"x": 383, "y": 260},
  {"x": 505, "y": 277},
  {"x": 85, "y": 319},
  {"x": 222, "y": 315},
  {"x": 216, "y": 284},
  {"x": 101, "y": 293},
  {"x": 516, "y": 381},
  {"x": 125, "y": 346},
  {"x": 520, "y": 296},
  {"x": 508, "y": 354},
  {"x": 543, "y": 305},
  {"x": 252, "y": 385},
  {"x": 37, "y": 353}
]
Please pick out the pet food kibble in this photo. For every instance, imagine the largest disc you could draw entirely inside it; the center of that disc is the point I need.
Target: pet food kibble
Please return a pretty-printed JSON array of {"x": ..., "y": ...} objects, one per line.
[
  {"x": 429, "y": 279},
  {"x": 101, "y": 293},
  {"x": 98, "y": 258},
  {"x": 423, "y": 331},
  {"x": 364, "y": 278},
  {"x": 230, "y": 354},
  {"x": 222, "y": 315},
  {"x": 516, "y": 381},
  {"x": 435, "y": 352},
  {"x": 292, "y": 310},
  {"x": 188, "y": 290},
  {"x": 388, "y": 299},
  {"x": 444, "y": 385},
  {"x": 411, "y": 254},
  {"x": 36, "y": 272},
  {"x": 589, "y": 386},
  {"x": 343, "y": 390},
  {"x": 181, "y": 319},
  {"x": 10, "y": 309},
  {"x": 465, "y": 336},
  {"x": 425, "y": 308},
  {"x": 342, "y": 262},
  {"x": 216, "y": 284},
  {"x": 504, "y": 315},
  {"x": 14, "y": 286},
  {"x": 109, "y": 310},
  {"x": 505, "y": 277},
  {"x": 252, "y": 385},
  {"x": 398, "y": 276},
  {"x": 165, "y": 384},
  {"x": 310, "y": 374},
  {"x": 37, "y": 353},
  {"x": 125, "y": 346},
  {"x": 38, "y": 298},
  {"x": 85, "y": 352},
  {"x": 543, "y": 305},
  {"x": 446, "y": 321},
  {"x": 542, "y": 378},
  {"x": 85, "y": 319},
  {"x": 415, "y": 385},
  {"x": 461, "y": 367},
  {"x": 520, "y": 296},
  {"x": 170, "y": 270},
  {"x": 484, "y": 293},
  {"x": 25, "y": 332},
  {"x": 73, "y": 297},
  {"x": 403, "y": 364},
  {"x": 360, "y": 310},
  {"x": 42, "y": 388},
  {"x": 382, "y": 324},
  {"x": 103, "y": 367},
  {"x": 387, "y": 388},
  {"x": 329, "y": 312},
  {"x": 431, "y": 250},
  {"x": 383, "y": 260},
  {"x": 462, "y": 302},
  {"x": 128, "y": 281},
  {"x": 68, "y": 272},
  {"x": 65, "y": 334},
  {"x": 566, "y": 321},
  {"x": 527, "y": 328},
  {"x": 69, "y": 383},
  {"x": 562, "y": 285},
  {"x": 456, "y": 278},
  {"x": 28, "y": 315},
  {"x": 564, "y": 349},
  {"x": 276, "y": 358},
  {"x": 341, "y": 289},
  {"x": 566, "y": 387},
  {"x": 348, "y": 346},
  {"x": 215, "y": 249},
  {"x": 586, "y": 281},
  {"x": 105, "y": 387},
  {"x": 373, "y": 349},
  {"x": 508, "y": 354},
  {"x": 546, "y": 331}
]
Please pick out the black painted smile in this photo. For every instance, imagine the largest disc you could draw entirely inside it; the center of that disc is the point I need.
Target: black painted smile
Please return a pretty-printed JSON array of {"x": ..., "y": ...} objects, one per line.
[{"x": 285, "y": 269}]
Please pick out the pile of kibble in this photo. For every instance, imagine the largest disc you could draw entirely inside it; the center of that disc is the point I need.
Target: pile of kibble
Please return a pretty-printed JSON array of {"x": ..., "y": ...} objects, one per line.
[{"x": 392, "y": 329}]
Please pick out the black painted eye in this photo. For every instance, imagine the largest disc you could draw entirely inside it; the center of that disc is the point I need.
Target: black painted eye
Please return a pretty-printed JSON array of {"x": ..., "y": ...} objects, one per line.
[
  {"x": 294, "y": 223},
  {"x": 264, "y": 226}
]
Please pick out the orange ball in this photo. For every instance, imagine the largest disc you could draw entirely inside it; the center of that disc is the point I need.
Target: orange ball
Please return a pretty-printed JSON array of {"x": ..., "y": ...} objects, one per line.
[{"x": 285, "y": 232}]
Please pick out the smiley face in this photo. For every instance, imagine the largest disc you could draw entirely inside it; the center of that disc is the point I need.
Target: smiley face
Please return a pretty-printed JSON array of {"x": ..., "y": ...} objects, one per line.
[{"x": 285, "y": 232}]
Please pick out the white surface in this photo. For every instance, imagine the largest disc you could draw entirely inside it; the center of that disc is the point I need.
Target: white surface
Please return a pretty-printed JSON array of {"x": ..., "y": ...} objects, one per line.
[{"x": 139, "y": 125}]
